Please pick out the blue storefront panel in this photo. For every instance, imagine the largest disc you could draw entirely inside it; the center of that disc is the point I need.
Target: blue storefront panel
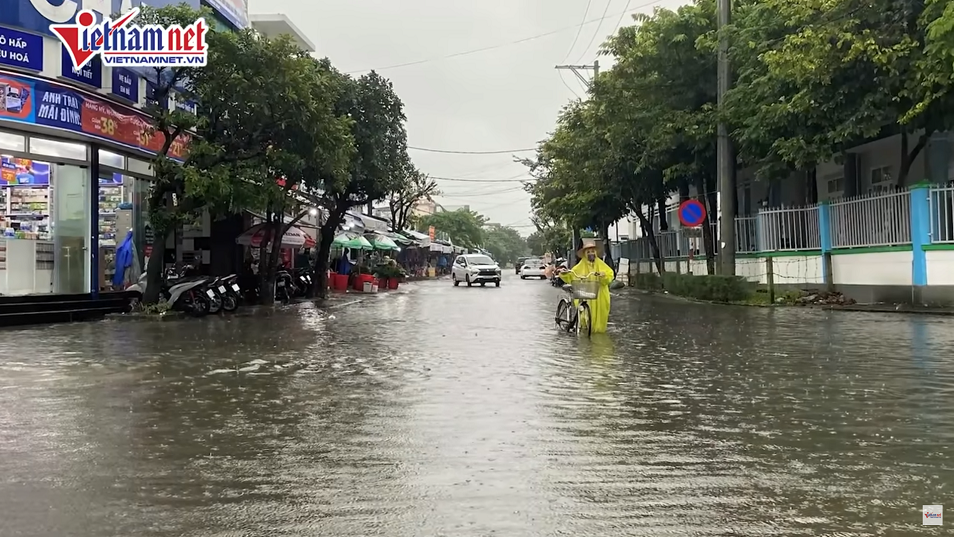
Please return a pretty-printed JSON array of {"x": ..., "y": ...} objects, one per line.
[{"x": 37, "y": 15}]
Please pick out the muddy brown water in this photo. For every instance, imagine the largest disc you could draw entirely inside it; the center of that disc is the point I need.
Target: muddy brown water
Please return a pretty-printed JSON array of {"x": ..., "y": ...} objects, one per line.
[{"x": 463, "y": 412}]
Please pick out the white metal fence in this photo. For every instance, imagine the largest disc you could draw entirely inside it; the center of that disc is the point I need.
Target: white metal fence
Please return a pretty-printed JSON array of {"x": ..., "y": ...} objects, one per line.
[
  {"x": 871, "y": 220},
  {"x": 882, "y": 219},
  {"x": 789, "y": 229},
  {"x": 746, "y": 234},
  {"x": 942, "y": 214}
]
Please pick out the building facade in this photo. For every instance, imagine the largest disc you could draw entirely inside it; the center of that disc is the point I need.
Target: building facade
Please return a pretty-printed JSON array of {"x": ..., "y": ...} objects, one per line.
[
  {"x": 860, "y": 226},
  {"x": 75, "y": 149}
]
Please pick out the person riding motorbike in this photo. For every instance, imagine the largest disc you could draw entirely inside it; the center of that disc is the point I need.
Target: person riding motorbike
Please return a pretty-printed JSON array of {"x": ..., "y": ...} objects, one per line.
[{"x": 590, "y": 263}]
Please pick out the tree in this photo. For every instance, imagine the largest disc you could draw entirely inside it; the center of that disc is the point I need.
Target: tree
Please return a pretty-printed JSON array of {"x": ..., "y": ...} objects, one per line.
[
  {"x": 464, "y": 227},
  {"x": 376, "y": 165},
  {"x": 823, "y": 77},
  {"x": 504, "y": 243},
  {"x": 412, "y": 188},
  {"x": 169, "y": 202}
]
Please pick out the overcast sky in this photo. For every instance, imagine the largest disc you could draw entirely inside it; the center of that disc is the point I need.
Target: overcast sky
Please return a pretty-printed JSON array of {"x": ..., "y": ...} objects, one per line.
[{"x": 457, "y": 98}]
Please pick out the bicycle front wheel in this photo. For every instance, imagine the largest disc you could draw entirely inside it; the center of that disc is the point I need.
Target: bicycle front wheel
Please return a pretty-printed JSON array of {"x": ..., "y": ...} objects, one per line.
[
  {"x": 564, "y": 315},
  {"x": 584, "y": 324}
]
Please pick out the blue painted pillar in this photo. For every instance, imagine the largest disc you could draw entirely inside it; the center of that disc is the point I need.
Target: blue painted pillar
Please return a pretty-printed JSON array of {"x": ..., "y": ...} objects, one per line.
[
  {"x": 920, "y": 231},
  {"x": 824, "y": 231}
]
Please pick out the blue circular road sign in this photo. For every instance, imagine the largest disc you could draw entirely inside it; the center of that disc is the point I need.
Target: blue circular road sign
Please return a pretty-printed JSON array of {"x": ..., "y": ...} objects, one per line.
[{"x": 692, "y": 213}]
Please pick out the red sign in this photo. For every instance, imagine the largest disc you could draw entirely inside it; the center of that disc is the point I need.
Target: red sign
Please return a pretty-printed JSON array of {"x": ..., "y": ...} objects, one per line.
[
  {"x": 105, "y": 120},
  {"x": 430, "y": 232},
  {"x": 50, "y": 104}
]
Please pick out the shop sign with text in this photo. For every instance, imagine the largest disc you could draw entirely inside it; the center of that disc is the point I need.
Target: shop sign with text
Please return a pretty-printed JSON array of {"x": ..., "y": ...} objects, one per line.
[
  {"x": 125, "y": 84},
  {"x": 90, "y": 74},
  {"x": 51, "y": 105},
  {"x": 20, "y": 49},
  {"x": 37, "y": 15}
]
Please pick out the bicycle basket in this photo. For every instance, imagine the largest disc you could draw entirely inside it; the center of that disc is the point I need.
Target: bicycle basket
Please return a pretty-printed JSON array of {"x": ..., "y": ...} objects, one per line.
[{"x": 586, "y": 289}]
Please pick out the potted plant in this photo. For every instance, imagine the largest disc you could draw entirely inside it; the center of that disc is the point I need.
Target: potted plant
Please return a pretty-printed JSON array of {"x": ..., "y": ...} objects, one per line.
[{"x": 387, "y": 276}]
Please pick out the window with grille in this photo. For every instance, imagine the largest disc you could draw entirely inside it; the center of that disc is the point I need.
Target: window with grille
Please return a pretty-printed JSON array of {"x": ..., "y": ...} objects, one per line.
[
  {"x": 836, "y": 185},
  {"x": 881, "y": 180}
]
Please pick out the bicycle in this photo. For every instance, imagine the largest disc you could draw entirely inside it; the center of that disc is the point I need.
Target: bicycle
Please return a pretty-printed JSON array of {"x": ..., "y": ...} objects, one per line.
[{"x": 582, "y": 290}]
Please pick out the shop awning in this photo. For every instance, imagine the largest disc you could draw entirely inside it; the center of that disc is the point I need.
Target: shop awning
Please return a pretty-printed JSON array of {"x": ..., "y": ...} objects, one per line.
[
  {"x": 370, "y": 223},
  {"x": 421, "y": 238},
  {"x": 295, "y": 237}
]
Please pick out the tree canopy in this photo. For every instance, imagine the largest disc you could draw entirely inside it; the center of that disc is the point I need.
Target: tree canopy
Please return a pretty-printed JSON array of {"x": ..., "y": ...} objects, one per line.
[
  {"x": 277, "y": 132},
  {"x": 465, "y": 227},
  {"x": 812, "y": 79}
]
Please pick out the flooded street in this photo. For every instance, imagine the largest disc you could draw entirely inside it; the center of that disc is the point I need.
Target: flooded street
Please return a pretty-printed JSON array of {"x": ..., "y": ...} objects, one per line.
[{"x": 446, "y": 411}]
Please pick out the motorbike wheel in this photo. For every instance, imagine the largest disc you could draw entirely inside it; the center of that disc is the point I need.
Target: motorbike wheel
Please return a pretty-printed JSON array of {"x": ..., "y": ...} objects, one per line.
[
  {"x": 229, "y": 303},
  {"x": 215, "y": 304},
  {"x": 199, "y": 307}
]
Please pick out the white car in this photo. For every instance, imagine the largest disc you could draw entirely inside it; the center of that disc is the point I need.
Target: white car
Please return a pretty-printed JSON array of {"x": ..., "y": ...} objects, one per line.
[
  {"x": 533, "y": 268},
  {"x": 475, "y": 269}
]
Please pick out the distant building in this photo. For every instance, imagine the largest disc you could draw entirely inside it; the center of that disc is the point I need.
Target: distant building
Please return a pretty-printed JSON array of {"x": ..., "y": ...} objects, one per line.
[
  {"x": 424, "y": 207},
  {"x": 276, "y": 24}
]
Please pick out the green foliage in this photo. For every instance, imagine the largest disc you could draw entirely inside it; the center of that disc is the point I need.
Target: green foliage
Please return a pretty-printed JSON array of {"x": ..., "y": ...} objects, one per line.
[
  {"x": 812, "y": 78},
  {"x": 714, "y": 287},
  {"x": 549, "y": 237},
  {"x": 647, "y": 281},
  {"x": 157, "y": 308},
  {"x": 464, "y": 227},
  {"x": 388, "y": 271},
  {"x": 504, "y": 244}
]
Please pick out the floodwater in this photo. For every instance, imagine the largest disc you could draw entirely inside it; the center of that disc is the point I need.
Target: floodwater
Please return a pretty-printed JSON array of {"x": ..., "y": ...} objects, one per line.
[{"x": 442, "y": 411}]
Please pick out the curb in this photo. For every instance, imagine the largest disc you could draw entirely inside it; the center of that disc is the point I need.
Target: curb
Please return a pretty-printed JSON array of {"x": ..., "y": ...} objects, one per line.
[{"x": 857, "y": 308}]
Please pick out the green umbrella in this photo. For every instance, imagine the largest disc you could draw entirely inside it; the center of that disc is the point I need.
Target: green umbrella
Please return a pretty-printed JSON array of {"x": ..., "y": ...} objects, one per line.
[
  {"x": 359, "y": 243},
  {"x": 341, "y": 241},
  {"x": 380, "y": 242}
]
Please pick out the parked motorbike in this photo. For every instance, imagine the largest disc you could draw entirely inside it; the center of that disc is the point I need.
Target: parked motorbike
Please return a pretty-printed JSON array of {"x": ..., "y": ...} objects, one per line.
[
  {"x": 555, "y": 280},
  {"x": 284, "y": 286},
  {"x": 303, "y": 281},
  {"x": 184, "y": 291}
]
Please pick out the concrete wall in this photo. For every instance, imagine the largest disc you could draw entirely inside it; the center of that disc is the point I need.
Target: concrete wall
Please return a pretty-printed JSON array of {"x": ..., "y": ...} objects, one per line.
[
  {"x": 940, "y": 267},
  {"x": 884, "y": 268}
]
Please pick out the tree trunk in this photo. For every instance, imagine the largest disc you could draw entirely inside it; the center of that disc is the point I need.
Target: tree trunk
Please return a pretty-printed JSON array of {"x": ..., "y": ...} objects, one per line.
[
  {"x": 663, "y": 222},
  {"x": 326, "y": 235},
  {"x": 608, "y": 252},
  {"x": 154, "y": 268},
  {"x": 653, "y": 245},
  {"x": 909, "y": 155}
]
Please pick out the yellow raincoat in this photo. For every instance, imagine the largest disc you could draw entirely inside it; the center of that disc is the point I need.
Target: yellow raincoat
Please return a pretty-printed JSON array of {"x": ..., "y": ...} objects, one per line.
[{"x": 599, "y": 308}]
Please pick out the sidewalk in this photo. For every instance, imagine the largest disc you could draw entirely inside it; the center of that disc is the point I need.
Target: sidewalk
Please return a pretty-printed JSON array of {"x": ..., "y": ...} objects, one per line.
[
  {"x": 335, "y": 300},
  {"x": 910, "y": 309}
]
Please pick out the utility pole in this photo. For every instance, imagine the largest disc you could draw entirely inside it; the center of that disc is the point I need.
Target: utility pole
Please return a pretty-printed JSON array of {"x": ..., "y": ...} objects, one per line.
[
  {"x": 726, "y": 154},
  {"x": 575, "y": 69}
]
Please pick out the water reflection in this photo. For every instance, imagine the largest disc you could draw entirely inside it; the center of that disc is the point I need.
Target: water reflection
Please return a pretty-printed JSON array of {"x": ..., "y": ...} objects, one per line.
[{"x": 449, "y": 411}]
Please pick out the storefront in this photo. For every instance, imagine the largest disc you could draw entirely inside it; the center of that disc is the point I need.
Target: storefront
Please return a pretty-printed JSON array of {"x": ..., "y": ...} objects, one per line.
[{"x": 75, "y": 171}]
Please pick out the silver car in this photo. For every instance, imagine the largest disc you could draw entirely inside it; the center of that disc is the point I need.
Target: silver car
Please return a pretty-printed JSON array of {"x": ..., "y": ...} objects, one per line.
[{"x": 475, "y": 269}]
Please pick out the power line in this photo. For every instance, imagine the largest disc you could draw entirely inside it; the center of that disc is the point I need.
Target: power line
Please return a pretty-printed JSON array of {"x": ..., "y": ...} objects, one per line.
[
  {"x": 446, "y": 151},
  {"x": 573, "y": 91},
  {"x": 466, "y": 180},
  {"x": 578, "y": 31},
  {"x": 590, "y": 44},
  {"x": 493, "y": 47},
  {"x": 621, "y": 15},
  {"x": 483, "y": 194}
]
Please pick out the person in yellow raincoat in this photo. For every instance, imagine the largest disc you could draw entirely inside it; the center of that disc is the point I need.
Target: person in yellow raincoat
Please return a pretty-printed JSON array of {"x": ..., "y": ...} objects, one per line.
[{"x": 591, "y": 263}]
